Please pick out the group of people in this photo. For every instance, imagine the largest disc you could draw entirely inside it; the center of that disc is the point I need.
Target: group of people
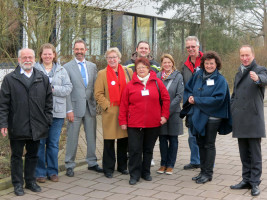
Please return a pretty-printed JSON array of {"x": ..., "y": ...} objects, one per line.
[{"x": 140, "y": 102}]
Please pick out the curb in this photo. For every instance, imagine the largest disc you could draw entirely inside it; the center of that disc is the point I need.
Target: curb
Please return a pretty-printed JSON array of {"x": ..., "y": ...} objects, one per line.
[{"x": 6, "y": 183}]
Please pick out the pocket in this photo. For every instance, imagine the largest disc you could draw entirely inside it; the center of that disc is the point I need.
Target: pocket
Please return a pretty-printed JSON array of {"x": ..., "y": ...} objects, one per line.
[{"x": 59, "y": 105}]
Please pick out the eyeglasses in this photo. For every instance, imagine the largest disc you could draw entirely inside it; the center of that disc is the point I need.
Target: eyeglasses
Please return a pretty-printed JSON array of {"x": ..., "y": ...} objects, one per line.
[
  {"x": 110, "y": 58},
  {"x": 192, "y": 47},
  {"x": 27, "y": 57},
  {"x": 142, "y": 67}
]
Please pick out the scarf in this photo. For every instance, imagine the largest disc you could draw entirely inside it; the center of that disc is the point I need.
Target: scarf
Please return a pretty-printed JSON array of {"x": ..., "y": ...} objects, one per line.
[
  {"x": 115, "y": 85},
  {"x": 165, "y": 75},
  {"x": 190, "y": 65},
  {"x": 145, "y": 79}
]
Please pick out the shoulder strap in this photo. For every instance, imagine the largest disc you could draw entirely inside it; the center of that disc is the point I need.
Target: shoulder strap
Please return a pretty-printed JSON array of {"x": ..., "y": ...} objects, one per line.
[
  {"x": 169, "y": 84},
  {"x": 160, "y": 100},
  {"x": 128, "y": 74}
]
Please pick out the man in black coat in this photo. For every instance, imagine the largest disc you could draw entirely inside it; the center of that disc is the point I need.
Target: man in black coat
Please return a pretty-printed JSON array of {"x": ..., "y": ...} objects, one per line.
[
  {"x": 248, "y": 118},
  {"x": 25, "y": 114}
]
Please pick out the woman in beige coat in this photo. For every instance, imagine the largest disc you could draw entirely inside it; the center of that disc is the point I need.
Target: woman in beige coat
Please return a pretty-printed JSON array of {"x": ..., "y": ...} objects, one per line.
[{"x": 109, "y": 85}]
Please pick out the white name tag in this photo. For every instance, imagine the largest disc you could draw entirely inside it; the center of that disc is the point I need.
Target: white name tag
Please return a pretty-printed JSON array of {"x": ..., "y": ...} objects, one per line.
[
  {"x": 210, "y": 82},
  {"x": 145, "y": 92}
]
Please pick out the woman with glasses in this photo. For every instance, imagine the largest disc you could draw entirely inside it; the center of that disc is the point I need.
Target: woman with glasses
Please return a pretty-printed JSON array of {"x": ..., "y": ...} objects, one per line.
[
  {"x": 144, "y": 108},
  {"x": 109, "y": 86},
  {"x": 207, "y": 95}
]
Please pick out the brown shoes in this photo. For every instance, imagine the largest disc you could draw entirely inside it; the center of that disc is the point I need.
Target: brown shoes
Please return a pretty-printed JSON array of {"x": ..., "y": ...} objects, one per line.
[
  {"x": 53, "y": 178},
  {"x": 41, "y": 179},
  {"x": 169, "y": 171},
  {"x": 161, "y": 170}
]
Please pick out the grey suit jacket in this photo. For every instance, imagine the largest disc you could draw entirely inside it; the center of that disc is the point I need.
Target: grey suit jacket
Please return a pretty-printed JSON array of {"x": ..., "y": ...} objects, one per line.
[{"x": 81, "y": 95}]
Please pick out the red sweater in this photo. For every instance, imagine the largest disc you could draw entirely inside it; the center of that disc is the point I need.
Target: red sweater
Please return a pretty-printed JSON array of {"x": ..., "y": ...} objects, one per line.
[{"x": 139, "y": 111}]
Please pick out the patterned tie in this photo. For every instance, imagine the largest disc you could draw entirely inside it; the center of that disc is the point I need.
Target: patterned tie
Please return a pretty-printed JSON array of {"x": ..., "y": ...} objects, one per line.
[{"x": 83, "y": 74}]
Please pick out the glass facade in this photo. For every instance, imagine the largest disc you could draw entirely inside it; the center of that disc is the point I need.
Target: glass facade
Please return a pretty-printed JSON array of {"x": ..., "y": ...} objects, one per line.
[
  {"x": 144, "y": 29},
  {"x": 128, "y": 39}
]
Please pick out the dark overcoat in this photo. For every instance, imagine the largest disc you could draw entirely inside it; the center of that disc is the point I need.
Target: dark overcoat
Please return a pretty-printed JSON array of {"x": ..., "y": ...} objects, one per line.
[
  {"x": 26, "y": 111},
  {"x": 247, "y": 103},
  {"x": 174, "y": 125}
]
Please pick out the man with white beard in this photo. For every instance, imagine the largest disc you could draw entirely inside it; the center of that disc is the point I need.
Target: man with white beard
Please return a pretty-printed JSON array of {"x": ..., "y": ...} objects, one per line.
[{"x": 25, "y": 114}]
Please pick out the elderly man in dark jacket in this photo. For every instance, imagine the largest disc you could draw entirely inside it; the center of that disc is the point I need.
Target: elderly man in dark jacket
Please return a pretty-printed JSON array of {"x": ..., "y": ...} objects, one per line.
[
  {"x": 26, "y": 112},
  {"x": 248, "y": 118}
]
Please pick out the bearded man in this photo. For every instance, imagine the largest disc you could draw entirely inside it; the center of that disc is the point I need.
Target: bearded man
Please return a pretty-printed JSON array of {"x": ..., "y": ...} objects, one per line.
[{"x": 26, "y": 106}]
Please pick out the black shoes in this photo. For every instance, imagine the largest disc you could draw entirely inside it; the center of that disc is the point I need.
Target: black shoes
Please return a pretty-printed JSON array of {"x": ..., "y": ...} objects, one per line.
[
  {"x": 96, "y": 168},
  {"x": 191, "y": 166},
  {"x": 108, "y": 175},
  {"x": 33, "y": 187},
  {"x": 241, "y": 185},
  {"x": 197, "y": 177},
  {"x": 132, "y": 181},
  {"x": 70, "y": 172},
  {"x": 124, "y": 172},
  {"x": 147, "y": 178},
  {"x": 255, "y": 191},
  {"x": 18, "y": 190},
  {"x": 203, "y": 179}
]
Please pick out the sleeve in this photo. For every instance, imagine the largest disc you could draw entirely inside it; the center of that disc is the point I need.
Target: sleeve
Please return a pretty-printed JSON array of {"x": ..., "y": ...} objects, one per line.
[
  {"x": 262, "y": 76},
  {"x": 178, "y": 95},
  {"x": 48, "y": 102},
  {"x": 165, "y": 97},
  {"x": 100, "y": 91},
  {"x": 5, "y": 98},
  {"x": 65, "y": 88},
  {"x": 68, "y": 98},
  {"x": 124, "y": 107}
]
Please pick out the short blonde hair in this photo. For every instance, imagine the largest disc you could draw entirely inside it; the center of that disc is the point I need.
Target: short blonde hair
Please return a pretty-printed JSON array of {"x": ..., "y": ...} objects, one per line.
[
  {"x": 47, "y": 46},
  {"x": 167, "y": 56},
  {"x": 115, "y": 50}
]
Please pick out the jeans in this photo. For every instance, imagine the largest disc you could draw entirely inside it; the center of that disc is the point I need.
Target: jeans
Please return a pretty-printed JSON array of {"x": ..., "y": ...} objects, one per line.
[
  {"x": 207, "y": 147},
  {"x": 194, "y": 158},
  {"x": 48, "y": 151},
  {"x": 31, "y": 158},
  {"x": 141, "y": 142},
  {"x": 168, "y": 150}
]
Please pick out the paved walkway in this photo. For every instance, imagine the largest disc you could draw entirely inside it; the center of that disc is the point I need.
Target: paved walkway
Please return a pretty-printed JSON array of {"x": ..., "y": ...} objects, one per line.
[{"x": 91, "y": 185}]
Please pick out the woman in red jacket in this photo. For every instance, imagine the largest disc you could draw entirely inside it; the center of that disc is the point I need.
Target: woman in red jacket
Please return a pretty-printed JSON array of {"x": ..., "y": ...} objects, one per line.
[{"x": 144, "y": 108}]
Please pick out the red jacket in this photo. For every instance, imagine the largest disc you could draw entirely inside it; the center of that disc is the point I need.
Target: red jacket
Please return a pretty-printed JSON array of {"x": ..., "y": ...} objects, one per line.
[{"x": 139, "y": 111}]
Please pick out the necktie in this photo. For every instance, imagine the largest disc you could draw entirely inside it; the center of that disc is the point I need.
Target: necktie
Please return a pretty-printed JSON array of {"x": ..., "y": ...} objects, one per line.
[{"x": 83, "y": 73}]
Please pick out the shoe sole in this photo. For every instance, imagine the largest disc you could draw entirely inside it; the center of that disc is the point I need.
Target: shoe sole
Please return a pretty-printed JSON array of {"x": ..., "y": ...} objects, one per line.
[
  {"x": 160, "y": 172},
  {"x": 169, "y": 173}
]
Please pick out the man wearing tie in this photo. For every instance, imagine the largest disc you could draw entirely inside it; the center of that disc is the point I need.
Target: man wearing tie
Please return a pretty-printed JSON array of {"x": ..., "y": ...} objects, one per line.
[{"x": 81, "y": 108}]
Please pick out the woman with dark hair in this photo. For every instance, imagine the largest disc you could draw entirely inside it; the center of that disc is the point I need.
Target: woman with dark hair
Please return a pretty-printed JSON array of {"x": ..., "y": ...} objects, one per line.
[
  {"x": 144, "y": 108},
  {"x": 47, "y": 165},
  {"x": 207, "y": 94}
]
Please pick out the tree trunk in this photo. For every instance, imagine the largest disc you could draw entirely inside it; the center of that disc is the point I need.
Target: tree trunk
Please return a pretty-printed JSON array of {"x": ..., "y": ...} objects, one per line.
[{"x": 202, "y": 25}]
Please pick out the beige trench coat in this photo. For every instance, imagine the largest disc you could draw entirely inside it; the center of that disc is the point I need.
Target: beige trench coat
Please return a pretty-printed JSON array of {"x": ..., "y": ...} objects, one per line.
[{"x": 110, "y": 122}]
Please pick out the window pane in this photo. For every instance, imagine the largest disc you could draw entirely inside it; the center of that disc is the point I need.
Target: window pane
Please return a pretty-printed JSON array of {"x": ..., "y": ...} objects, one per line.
[
  {"x": 127, "y": 35},
  {"x": 144, "y": 29}
]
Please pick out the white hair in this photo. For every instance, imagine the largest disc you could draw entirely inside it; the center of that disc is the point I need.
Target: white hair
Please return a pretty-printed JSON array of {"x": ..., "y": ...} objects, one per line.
[
  {"x": 19, "y": 53},
  {"x": 190, "y": 38}
]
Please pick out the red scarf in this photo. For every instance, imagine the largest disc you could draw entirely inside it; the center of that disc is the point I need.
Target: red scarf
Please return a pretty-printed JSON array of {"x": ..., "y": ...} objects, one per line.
[
  {"x": 190, "y": 65},
  {"x": 115, "y": 85}
]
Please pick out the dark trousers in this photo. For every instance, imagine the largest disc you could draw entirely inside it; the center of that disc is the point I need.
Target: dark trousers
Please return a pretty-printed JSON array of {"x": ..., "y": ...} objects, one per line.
[
  {"x": 109, "y": 158},
  {"x": 31, "y": 159},
  {"x": 168, "y": 146},
  {"x": 141, "y": 143},
  {"x": 207, "y": 149},
  {"x": 250, "y": 154}
]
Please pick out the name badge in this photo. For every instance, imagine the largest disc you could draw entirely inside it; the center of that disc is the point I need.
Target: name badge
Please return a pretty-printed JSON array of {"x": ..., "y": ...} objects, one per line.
[
  {"x": 210, "y": 82},
  {"x": 145, "y": 92}
]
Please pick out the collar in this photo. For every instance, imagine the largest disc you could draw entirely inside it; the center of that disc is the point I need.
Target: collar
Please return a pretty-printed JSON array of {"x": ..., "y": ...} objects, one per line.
[
  {"x": 22, "y": 71},
  {"x": 77, "y": 61}
]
